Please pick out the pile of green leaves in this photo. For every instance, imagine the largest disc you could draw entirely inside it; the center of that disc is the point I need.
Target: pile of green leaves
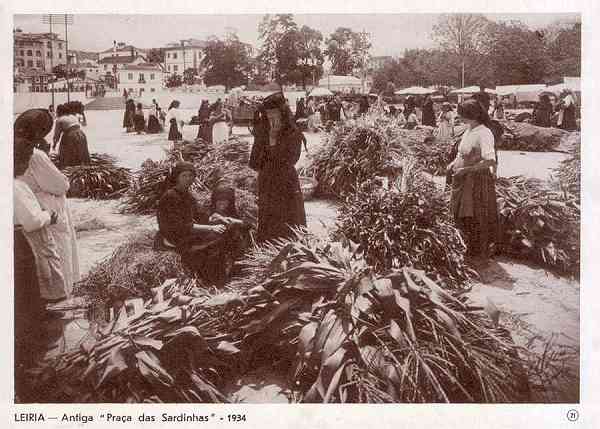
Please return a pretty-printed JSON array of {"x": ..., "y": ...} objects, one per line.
[
  {"x": 527, "y": 137},
  {"x": 569, "y": 171},
  {"x": 174, "y": 350},
  {"x": 409, "y": 228},
  {"x": 540, "y": 223},
  {"x": 351, "y": 335},
  {"x": 131, "y": 271}
]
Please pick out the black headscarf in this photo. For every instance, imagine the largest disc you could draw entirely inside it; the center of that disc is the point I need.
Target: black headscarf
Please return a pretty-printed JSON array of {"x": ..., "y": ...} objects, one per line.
[
  {"x": 34, "y": 125},
  {"x": 224, "y": 193}
]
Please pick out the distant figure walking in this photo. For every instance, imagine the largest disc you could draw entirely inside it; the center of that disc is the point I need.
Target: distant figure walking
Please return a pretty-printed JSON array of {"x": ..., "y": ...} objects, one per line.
[
  {"x": 175, "y": 121},
  {"x": 139, "y": 120},
  {"x": 428, "y": 114}
]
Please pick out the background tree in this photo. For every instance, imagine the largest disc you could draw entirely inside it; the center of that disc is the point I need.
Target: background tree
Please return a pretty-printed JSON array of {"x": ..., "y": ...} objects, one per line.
[
  {"x": 226, "y": 62},
  {"x": 156, "y": 56},
  {"x": 464, "y": 35},
  {"x": 271, "y": 30},
  {"x": 347, "y": 50},
  {"x": 310, "y": 55},
  {"x": 564, "y": 49},
  {"x": 518, "y": 54}
]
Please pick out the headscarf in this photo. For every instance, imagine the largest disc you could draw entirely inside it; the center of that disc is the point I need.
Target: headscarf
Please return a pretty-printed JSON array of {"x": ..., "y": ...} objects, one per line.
[
  {"x": 174, "y": 172},
  {"x": 224, "y": 193},
  {"x": 34, "y": 125}
]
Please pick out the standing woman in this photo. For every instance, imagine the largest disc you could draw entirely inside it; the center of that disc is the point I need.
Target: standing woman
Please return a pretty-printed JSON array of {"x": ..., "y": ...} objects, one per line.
[
  {"x": 128, "y": 116},
  {"x": 473, "y": 200},
  {"x": 542, "y": 114},
  {"x": 73, "y": 148},
  {"x": 567, "y": 107},
  {"x": 50, "y": 187},
  {"x": 428, "y": 114},
  {"x": 204, "y": 131},
  {"x": 153, "y": 121},
  {"x": 276, "y": 149},
  {"x": 139, "y": 120},
  {"x": 446, "y": 120},
  {"x": 220, "y": 130},
  {"x": 175, "y": 122}
]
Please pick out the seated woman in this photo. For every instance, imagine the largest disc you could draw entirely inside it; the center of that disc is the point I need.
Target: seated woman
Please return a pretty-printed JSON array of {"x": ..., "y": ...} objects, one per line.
[{"x": 204, "y": 247}]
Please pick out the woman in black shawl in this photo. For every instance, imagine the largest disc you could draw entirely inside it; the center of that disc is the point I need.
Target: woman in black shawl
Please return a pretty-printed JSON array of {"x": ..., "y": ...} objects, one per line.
[
  {"x": 276, "y": 149},
  {"x": 128, "y": 116},
  {"x": 34, "y": 125},
  {"x": 542, "y": 114},
  {"x": 204, "y": 130},
  {"x": 428, "y": 114}
]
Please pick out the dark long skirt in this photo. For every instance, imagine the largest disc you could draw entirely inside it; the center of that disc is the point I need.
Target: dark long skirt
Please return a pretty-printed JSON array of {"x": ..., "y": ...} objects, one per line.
[
  {"x": 153, "y": 125},
  {"x": 28, "y": 313},
  {"x": 128, "y": 122},
  {"x": 569, "y": 122},
  {"x": 280, "y": 203},
  {"x": 475, "y": 211},
  {"x": 139, "y": 123},
  {"x": 174, "y": 134},
  {"x": 73, "y": 149},
  {"x": 205, "y": 131},
  {"x": 211, "y": 255}
]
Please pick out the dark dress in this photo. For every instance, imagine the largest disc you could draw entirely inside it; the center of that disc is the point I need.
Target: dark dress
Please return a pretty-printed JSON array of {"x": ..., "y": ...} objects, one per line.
[
  {"x": 428, "y": 114},
  {"x": 27, "y": 313},
  {"x": 153, "y": 124},
  {"x": 204, "y": 130},
  {"x": 128, "y": 117},
  {"x": 280, "y": 201},
  {"x": 73, "y": 148},
  {"x": 139, "y": 122},
  {"x": 202, "y": 252},
  {"x": 174, "y": 133},
  {"x": 569, "y": 122},
  {"x": 542, "y": 115}
]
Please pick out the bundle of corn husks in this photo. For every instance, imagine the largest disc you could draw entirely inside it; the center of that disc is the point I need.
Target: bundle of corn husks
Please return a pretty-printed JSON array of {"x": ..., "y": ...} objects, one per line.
[
  {"x": 527, "y": 137},
  {"x": 569, "y": 171},
  {"x": 409, "y": 227},
  {"x": 350, "y": 335},
  {"x": 101, "y": 179},
  {"x": 432, "y": 154},
  {"x": 176, "y": 349},
  {"x": 539, "y": 223},
  {"x": 131, "y": 271},
  {"x": 188, "y": 150}
]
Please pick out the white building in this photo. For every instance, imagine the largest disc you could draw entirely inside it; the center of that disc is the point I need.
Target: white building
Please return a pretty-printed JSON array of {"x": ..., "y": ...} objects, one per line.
[
  {"x": 139, "y": 79},
  {"x": 92, "y": 70},
  {"x": 184, "y": 55},
  {"x": 122, "y": 50}
]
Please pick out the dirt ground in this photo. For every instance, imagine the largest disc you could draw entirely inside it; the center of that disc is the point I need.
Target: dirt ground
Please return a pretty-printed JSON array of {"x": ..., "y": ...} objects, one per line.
[{"x": 532, "y": 302}]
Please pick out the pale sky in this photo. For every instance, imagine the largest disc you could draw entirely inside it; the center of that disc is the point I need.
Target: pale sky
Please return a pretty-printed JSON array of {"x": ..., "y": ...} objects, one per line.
[{"x": 391, "y": 34}]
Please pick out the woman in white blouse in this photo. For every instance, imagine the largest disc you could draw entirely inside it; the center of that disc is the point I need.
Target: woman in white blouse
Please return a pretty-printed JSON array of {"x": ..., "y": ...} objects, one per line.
[
  {"x": 473, "y": 200},
  {"x": 28, "y": 217},
  {"x": 175, "y": 120}
]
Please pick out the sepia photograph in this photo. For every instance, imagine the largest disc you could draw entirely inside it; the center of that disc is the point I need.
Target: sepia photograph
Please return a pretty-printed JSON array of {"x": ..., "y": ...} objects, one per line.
[{"x": 296, "y": 208}]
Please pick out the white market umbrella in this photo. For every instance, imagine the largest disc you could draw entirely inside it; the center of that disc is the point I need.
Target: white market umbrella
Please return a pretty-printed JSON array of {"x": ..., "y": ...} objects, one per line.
[
  {"x": 320, "y": 92},
  {"x": 415, "y": 90},
  {"x": 471, "y": 90}
]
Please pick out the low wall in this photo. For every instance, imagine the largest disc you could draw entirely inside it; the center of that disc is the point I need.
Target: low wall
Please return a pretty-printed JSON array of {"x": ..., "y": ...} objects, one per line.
[{"x": 41, "y": 100}]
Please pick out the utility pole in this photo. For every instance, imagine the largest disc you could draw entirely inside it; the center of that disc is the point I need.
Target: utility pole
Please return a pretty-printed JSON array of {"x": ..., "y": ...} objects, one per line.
[{"x": 67, "y": 20}]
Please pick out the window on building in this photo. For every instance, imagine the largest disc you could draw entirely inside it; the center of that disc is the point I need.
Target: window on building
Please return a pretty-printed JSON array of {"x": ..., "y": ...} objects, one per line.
[
  {"x": 38, "y": 53},
  {"x": 105, "y": 67},
  {"x": 40, "y": 64},
  {"x": 29, "y": 53},
  {"x": 29, "y": 63},
  {"x": 175, "y": 68},
  {"x": 59, "y": 55},
  {"x": 22, "y": 53},
  {"x": 174, "y": 55},
  {"x": 130, "y": 76},
  {"x": 151, "y": 76},
  {"x": 60, "y": 46},
  {"x": 152, "y": 90},
  {"x": 49, "y": 45},
  {"x": 168, "y": 55},
  {"x": 48, "y": 55}
]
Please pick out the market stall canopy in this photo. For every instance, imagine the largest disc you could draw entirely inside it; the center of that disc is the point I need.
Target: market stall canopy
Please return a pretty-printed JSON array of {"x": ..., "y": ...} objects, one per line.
[
  {"x": 521, "y": 93},
  {"x": 572, "y": 83},
  {"x": 471, "y": 90},
  {"x": 320, "y": 92},
  {"x": 415, "y": 90},
  {"x": 341, "y": 83}
]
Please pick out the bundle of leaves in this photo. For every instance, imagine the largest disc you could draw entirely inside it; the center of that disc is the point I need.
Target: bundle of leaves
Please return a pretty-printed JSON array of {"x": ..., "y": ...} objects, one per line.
[
  {"x": 212, "y": 169},
  {"x": 539, "y": 223},
  {"x": 96, "y": 159},
  {"x": 569, "y": 171},
  {"x": 99, "y": 182},
  {"x": 431, "y": 154},
  {"x": 131, "y": 271},
  {"x": 527, "y": 137},
  {"x": 176, "y": 349},
  {"x": 188, "y": 150},
  {"x": 351, "y": 335},
  {"x": 408, "y": 227}
]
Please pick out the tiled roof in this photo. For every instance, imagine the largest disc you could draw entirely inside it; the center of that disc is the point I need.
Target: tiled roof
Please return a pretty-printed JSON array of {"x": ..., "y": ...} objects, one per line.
[{"x": 118, "y": 60}]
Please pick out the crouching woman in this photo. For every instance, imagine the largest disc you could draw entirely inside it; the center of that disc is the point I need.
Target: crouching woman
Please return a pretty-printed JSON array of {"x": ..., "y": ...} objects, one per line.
[{"x": 205, "y": 248}]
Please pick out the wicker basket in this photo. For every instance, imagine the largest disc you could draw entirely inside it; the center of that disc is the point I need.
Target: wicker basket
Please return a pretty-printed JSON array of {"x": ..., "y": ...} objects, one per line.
[{"x": 308, "y": 186}]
